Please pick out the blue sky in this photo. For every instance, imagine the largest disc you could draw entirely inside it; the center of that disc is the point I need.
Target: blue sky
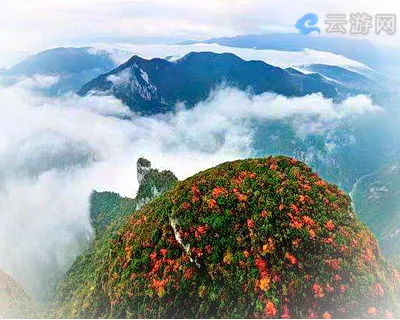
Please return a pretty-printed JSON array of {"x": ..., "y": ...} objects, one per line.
[{"x": 28, "y": 26}]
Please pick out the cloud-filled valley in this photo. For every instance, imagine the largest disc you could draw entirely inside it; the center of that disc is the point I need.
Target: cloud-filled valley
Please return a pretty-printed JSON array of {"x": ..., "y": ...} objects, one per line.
[
  {"x": 199, "y": 159},
  {"x": 55, "y": 151}
]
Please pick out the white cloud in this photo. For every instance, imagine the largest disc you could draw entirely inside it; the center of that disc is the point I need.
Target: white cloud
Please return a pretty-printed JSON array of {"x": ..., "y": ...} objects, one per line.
[
  {"x": 78, "y": 22},
  {"x": 284, "y": 59},
  {"x": 123, "y": 77},
  {"x": 38, "y": 81}
]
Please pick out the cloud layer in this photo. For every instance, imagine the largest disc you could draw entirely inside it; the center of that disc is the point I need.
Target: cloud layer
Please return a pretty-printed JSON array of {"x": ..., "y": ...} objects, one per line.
[
  {"x": 79, "y": 22},
  {"x": 55, "y": 151},
  {"x": 120, "y": 53}
]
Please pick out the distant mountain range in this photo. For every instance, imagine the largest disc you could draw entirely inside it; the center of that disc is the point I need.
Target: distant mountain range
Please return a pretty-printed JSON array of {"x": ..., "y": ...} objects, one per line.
[
  {"x": 73, "y": 67},
  {"x": 157, "y": 85},
  {"x": 351, "y": 80},
  {"x": 383, "y": 58},
  {"x": 365, "y": 81},
  {"x": 357, "y": 49}
]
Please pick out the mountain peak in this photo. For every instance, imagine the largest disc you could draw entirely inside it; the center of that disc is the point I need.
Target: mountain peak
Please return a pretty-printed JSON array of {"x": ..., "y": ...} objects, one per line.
[
  {"x": 143, "y": 166},
  {"x": 248, "y": 239},
  {"x": 136, "y": 59},
  {"x": 108, "y": 208},
  {"x": 155, "y": 86}
]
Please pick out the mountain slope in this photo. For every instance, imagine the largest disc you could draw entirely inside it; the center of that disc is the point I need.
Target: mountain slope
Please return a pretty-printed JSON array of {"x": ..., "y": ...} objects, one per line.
[
  {"x": 107, "y": 208},
  {"x": 357, "y": 49},
  {"x": 353, "y": 81},
  {"x": 377, "y": 202},
  {"x": 250, "y": 238},
  {"x": 155, "y": 86},
  {"x": 14, "y": 302},
  {"x": 73, "y": 67}
]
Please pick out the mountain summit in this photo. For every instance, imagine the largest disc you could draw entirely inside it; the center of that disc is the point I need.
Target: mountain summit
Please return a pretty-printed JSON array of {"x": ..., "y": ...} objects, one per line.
[
  {"x": 247, "y": 239},
  {"x": 108, "y": 207},
  {"x": 156, "y": 85}
]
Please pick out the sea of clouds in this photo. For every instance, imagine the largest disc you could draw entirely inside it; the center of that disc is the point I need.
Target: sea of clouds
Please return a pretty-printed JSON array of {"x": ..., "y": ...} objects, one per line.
[
  {"x": 55, "y": 151},
  {"x": 121, "y": 52}
]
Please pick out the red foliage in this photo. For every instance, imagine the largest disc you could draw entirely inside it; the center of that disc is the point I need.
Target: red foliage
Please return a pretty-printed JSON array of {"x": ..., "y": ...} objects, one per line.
[
  {"x": 218, "y": 191},
  {"x": 318, "y": 290},
  {"x": 250, "y": 223},
  {"x": 212, "y": 204},
  {"x": 372, "y": 311},
  {"x": 292, "y": 259},
  {"x": 285, "y": 312},
  {"x": 330, "y": 225},
  {"x": 378, "y": 290},
  {"x": 270, "y": 309}
]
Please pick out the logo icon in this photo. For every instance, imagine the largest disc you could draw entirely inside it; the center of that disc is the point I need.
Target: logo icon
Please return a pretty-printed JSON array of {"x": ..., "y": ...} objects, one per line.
[{"x": 307, "y": 23}]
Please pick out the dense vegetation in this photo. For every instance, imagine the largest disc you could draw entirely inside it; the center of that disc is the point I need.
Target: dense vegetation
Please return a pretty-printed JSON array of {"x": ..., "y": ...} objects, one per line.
[
  {"x": 108, "y": 208},
  {"x": 253, "y": 238},
  {"x": 377, "y": 201}
]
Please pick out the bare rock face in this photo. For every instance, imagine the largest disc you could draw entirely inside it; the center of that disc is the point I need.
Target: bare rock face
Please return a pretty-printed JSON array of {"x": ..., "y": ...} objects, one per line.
[
  {"x": 143, "y": 167},
  {"x": 152, "y": 182},
  {"x": 106, "y": 208},
  {"x": 14, "y": 302}
]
